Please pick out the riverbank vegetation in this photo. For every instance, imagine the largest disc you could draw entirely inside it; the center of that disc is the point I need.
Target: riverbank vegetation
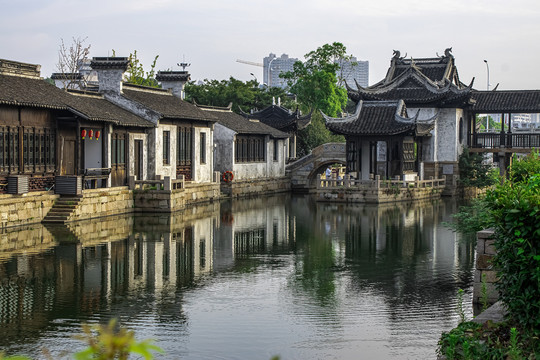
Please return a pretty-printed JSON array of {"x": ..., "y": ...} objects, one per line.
[{"x": 512, "y": 209}]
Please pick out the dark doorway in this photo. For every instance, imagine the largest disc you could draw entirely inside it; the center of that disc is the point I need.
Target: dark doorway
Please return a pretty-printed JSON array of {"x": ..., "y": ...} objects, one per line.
[{"x": 138, "y": 159}]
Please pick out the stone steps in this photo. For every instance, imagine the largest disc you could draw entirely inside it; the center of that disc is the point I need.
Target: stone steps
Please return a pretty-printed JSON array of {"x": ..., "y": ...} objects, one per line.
[{"x": 61, "y": 210}]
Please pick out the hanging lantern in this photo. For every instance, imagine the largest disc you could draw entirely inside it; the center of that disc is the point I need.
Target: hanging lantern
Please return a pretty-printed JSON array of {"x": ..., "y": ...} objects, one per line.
[
  {"x": 83, "y": 133},
  {"x": 91, "y": 134},
  {"x": 98, "y": 133}
]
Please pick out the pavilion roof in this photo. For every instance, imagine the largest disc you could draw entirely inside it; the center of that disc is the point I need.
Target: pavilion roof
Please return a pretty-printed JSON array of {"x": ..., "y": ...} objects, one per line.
[
  {"x": 511, "y": 101},
  {"x": 426, "y": 81},
  {"x": 380, "y": 118},
  {"x": 281, "y": 118}
]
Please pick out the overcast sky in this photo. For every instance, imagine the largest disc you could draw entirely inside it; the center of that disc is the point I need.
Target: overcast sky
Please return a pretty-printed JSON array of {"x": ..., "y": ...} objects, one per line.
[{"x": 213, "y": 34}]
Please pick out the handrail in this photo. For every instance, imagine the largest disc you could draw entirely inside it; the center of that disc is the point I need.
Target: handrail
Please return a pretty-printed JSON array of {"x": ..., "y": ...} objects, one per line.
[{"x": 377, "y": 183}]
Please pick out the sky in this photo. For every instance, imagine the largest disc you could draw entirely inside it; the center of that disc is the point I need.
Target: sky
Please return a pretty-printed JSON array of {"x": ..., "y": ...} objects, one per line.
[{"x": 212, "y": 34}]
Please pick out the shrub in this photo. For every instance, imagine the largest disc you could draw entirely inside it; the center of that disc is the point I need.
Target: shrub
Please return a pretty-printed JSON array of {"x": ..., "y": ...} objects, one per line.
[
  {"x": 515, "y": 210},
  {"x": 473, "y": 172}
]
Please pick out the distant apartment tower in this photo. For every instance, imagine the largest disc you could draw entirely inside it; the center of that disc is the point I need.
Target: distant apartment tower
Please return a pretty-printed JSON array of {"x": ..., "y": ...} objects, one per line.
[
  {"x": 273, "y": 66},
  {"x": 354, "y": 70}
]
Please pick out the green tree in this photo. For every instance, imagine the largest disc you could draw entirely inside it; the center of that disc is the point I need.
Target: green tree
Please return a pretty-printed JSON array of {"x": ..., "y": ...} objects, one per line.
[
  {"x": 135, "y": 73},
  {"x": 316, "y": 87},
  {"x": 243, "y": 95},
  {"x": 473, "y": 172},
  {"x": 315, "y": 83}
]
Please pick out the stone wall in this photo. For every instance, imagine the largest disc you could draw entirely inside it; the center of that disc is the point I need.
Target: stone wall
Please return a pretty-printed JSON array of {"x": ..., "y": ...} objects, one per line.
[
  {"x": 103, "y": 202},
  {"x": 257, "y": 187},
  {"x": 109, "y": 229},
  {"x": 484, "y": 273},
  {"x": 372, "y": 195},
  {"x": 169, "y": 201},
  {"x": 30, "y": 208}
]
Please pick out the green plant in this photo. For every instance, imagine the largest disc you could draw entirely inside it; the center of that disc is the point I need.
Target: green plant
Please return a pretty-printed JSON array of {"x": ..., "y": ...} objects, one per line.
[
  {"x": 514, "y": 352},
  {"x": 460, "y": 310},
  {"x": 473, "y": 172},
  {"x": 109, "y": 342},
  {"x": 14, "y": 357},
  {"x": 483, "y": 293},
  {"x": 515, "y": 210},
  {"x": 471, "y": 218}
]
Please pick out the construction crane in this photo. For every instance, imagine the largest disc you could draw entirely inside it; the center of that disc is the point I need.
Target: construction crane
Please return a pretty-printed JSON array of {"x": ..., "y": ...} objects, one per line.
[{"x": 249, "y": 62}]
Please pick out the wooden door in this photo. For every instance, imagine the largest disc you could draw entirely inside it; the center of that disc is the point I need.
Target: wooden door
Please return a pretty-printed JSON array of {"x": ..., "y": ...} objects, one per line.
[
  {"x": 138, "y": 159},
  {"x": 118, "y": 159},
  {"x": 67, "y": 166}
]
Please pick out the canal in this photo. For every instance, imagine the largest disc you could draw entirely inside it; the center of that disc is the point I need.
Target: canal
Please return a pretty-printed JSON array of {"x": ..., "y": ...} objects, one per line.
[{"x": 250, "y": 279}]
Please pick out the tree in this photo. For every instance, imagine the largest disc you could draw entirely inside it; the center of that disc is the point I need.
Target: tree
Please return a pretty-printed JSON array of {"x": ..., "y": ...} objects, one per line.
[
  {"x": 245, "y": 96},
  {"x": 315, "y": 82},
  {"x": 136, "y": 74},
  {"x": 317, "y": 87},
  {"x": 70, "y": 59}
]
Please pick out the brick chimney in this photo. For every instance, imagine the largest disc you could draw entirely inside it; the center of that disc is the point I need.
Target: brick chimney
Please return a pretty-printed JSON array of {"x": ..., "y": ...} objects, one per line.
[
  {"x": 110, "y": 72},
  {"x": 174, "y": 81},
  {"x": 10, "y": 67}
]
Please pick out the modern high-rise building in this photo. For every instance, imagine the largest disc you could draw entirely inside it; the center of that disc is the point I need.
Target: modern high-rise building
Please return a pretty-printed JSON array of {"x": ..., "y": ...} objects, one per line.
[
  {"x": 349, "y": 71},
  {"x": 273, "y": 66},
  {"x": 354, "y": 70}
]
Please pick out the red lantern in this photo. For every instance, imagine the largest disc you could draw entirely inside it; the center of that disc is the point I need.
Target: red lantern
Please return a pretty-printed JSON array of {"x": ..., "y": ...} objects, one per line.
[
  {"x": 91, "y": 134},
  {"x": 83, "y": 133},
  {"x": 98, "y": 133}
]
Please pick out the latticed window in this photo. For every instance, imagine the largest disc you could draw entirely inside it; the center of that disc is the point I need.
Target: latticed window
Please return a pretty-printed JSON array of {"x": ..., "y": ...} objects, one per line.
[
  {"x": 352, "y": 164},
  {"x": 183, "y": 155},
  {"x": 409, "y": 156},
  {"x": 203, "y": 148},
  {"x": 38, "y": 149},
  {"x": 250, "y": 149},
  {"x": 166, "y": 147},
  {"x": 118, "y": 148}
]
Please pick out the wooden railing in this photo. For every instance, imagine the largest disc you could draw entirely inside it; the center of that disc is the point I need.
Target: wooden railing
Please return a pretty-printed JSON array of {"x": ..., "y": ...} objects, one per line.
[
  {"x": 96, "y": 177},
  {"x": 508, "y": 140},
  {"x": 377, "y": 183}
]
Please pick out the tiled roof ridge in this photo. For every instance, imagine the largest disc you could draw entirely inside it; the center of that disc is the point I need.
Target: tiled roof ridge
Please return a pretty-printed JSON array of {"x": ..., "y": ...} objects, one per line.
[{"x": 143, "y": 88}]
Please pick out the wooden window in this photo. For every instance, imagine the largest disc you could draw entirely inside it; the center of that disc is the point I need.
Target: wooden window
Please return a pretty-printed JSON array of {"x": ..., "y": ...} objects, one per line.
[
  {"x": 203, "y": 148},
  {"x": 183, "y": 155},
  {"x": 409, "y": 156},
  {"x": 166, "y": 147},
  {"x": 276, "y": 149},
  {"x": 118, "y": 147},
  {"x": 250, "y": 149},
  {"x": 352, "y": 164}
]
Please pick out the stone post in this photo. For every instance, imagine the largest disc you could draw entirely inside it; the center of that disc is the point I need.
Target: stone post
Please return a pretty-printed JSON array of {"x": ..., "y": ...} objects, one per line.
[
  {"x": 167, "y": 186},
  {"x": 131, "y": 182},
  {"x": 485, "y": 275}
]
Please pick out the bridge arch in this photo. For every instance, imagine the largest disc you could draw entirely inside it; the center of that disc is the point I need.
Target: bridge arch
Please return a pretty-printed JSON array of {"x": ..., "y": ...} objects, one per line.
[{"x": 320, "y": 169}]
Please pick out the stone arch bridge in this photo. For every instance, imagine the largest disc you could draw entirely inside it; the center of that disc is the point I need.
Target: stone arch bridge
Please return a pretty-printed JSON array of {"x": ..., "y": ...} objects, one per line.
[{"x": 304, "y": 171}]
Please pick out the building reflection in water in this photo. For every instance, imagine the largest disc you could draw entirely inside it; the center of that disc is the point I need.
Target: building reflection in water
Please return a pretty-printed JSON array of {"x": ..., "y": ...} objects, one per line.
[{"x": 128, "y": 265}]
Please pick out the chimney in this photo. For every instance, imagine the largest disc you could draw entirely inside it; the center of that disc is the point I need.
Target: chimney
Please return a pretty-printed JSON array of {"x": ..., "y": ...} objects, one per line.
[
  {"x": 10, "y": 67},
  {"x": 110, "y": 72},
  {"x": 173, "y": 80}
]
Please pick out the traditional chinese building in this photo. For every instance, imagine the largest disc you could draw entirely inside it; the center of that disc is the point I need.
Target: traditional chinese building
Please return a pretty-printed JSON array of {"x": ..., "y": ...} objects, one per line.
[
  {"x": 382, "y": 139},
  {"x": 284, "y": 120}
]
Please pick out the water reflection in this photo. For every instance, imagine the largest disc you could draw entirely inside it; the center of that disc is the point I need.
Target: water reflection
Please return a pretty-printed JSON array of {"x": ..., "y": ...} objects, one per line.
[{"x": 259, "y": 277}]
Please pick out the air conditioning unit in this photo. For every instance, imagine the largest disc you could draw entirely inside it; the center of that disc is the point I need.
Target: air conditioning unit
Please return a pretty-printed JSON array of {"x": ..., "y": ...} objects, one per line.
[
  {"x": 68, "y": 185},
  {"x": 17, "y": 184}
]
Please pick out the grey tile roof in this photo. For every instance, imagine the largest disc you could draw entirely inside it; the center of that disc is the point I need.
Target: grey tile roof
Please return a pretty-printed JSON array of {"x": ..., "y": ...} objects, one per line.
[
  {"x": 166, "y": 104},
  {"x": 378, "y": 118},
  {"x": 32, "y": 92},
  {"x": 94, "y": 107},
  {"x": 512, "y": 101},
  {"x": 280, "y": 118},
  {"x": 241, "y": 125},
  {"x": 35, "y": 92},
  {"x": 427, "y": 81}
]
